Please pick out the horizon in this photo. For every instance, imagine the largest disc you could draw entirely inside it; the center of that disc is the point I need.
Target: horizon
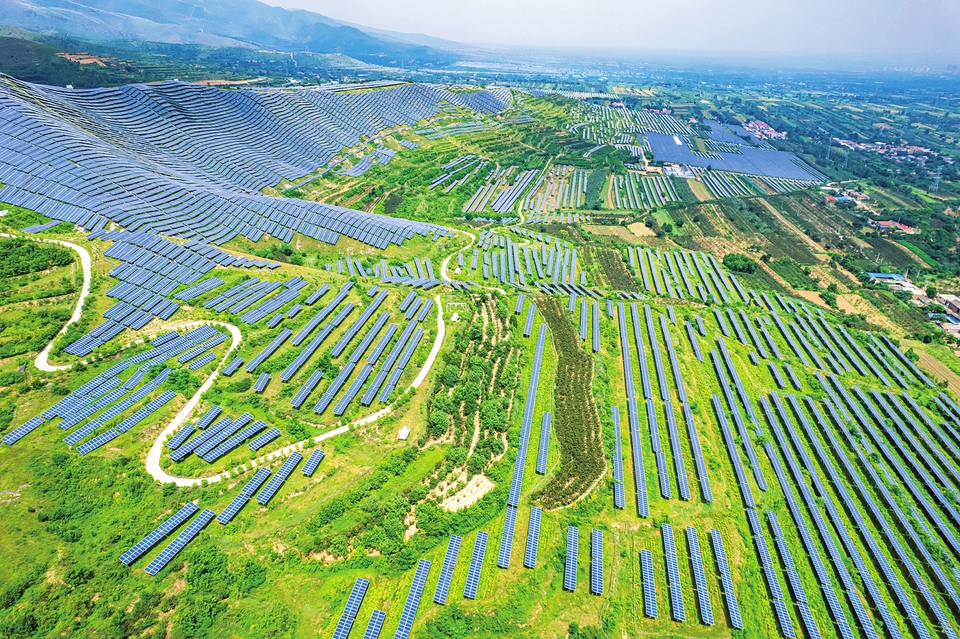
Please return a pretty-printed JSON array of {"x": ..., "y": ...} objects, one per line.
[{"x": 883, "y": 29}]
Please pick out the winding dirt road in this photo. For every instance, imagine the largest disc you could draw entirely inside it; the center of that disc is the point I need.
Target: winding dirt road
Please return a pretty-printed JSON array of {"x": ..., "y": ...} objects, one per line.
[{"x": 86, "y": 264}]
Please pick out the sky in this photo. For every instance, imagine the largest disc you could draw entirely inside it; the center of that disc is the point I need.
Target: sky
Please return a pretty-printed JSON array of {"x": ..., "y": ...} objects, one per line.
[{"x": 885, "y": 27}]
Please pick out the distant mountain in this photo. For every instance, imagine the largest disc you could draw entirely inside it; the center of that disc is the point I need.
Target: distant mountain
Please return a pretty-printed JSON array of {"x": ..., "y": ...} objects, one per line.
[{"x": 247, "y": 23}]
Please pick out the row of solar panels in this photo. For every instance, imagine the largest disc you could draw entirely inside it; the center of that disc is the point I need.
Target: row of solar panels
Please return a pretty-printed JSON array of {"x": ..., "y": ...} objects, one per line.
[
  {"x": 214, "y": 195},
  {"x": 102, "y": 391},
  {"x": 196, "y": 526}
]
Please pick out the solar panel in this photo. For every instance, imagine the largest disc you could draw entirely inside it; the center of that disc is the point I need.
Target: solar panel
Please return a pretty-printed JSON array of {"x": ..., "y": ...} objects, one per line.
[
  {"x": 159, "y": 533},
  {"x": 264, "y": 439},
  {"x": 26, "y": 428},
  {"x": 619, "y": 499},
  {"x": 191, "y": 531},
  {"x": 256, "y": 481},
  {"x": 719, "y": 553},
  {"x": 311, "y": 466},
  {"x": 649, "y": 585},
  {"x": 570, "y": 563},
  {"x": 356, "y": 598},
  {"x": 533, "y": 538},
  {"x": 233, "y": 508},
  {"x": 261, "y": 384},
  {"x": 446, "y": 572},
  {"x": 277, "y": 480},
  {"x": 476, "y": 566},
  {"x": 375, "y": 625},
  {"x": 506, "y": 539},
  {"x": 699, "y": 579},
  {"x": 673, "y": 573},
  {"x": 413, "y": 600},
  {"x": 596, "y": 562},
  {"x": 544, "y": 444},
  {"x": 344, "y": 626}
]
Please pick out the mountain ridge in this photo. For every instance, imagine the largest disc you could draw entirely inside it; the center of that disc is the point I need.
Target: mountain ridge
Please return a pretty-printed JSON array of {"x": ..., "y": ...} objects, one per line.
[{"x": 246, "y": 23}]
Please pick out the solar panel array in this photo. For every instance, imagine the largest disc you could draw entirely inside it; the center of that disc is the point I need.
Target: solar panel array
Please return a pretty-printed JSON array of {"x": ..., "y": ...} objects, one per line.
[
  {"x": 619, "y": 499},
  {"x": 446, "y": 572},
  {"x": 673, "y": 573},
  {"x": 277, "y": 480},
  {"x": 720, "y": 554},
  {"x": 350, "y": 610},
  {"x": 186, "y": 536},
  {"x": 649, "y": 585},
  {"x": 375, "y": 625},
  {"x": 643, "y": 508},
  {"x": 513, "y": 498},
  {"x": 699, "y": 578},
  {"x": 161, "y": 531},
  {"x": 533, "y": 538},
  {"x": 413, "y": 600},
  {"x": 544, "y": 444},
  {"x": 313, "y": 462},
  {"x": 596, "y": 562},
  {"x": 506, "y": 538},
  {"x": 476, "y": 566},
  {"x": 113, "y": 141},
  {"x": 570, "y": 563}
]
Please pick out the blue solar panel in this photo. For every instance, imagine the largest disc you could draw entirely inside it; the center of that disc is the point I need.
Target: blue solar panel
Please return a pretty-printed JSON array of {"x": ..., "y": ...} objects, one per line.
[
  {"x": 570, "y": 563},
  {"x": 311, "y": 466},
  {"x": 181, "y": 436},
  {"x": 343, "y": 628},
  {"x": 277, "y": 480},
  {"x": 256, "y": 481},
  {"x": 476, "y": 566},
  {"x": 596, "y": 562},
  {"x": 619, "y": 499},
  {"x": 544, "y": 444},
  {"x": 191, "y": 531},
  {"x": 446, "y": 572},
  {"x": 719, "y": 553},
  {"x": 699, "y": 578},
  {"x": 264, "y": 439},
  {"x": 506, "y": 539},
  {"x": 673, "y": 573},
  {"x": 649, "y": 585},
  {"x": 355, "y": 600},
  {"x": 261, "y": 384},
  {"x": 233, "y": 508},
  {"x": 375, "y": 625},
  {"x": 161, "y": 531},
  {"x": 533, "y": 538},
  {"x": 98, "y": 441},
  {"x": 413, "y": 600},
  {"x": 24, "y": 429}
]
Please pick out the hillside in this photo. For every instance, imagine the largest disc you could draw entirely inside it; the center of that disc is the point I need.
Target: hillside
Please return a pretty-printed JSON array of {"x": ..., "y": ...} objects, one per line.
[{"x": 229, "y": 23}]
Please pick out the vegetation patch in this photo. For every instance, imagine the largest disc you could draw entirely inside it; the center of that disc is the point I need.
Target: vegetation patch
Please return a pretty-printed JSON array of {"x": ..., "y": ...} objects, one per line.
[
  {"x": 575, "y": 418},
  {"x": 611, "y": 262}
]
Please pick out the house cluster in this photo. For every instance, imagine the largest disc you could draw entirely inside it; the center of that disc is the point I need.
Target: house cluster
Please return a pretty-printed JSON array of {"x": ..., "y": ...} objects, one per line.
[
  {"x": 949, "y": 320},
  {"x": 891, "y": 226},
  {"x": 898, "y": 282},
  {"x": 764, "y": 131},
  {"x": 951, "y": 303},
  {"x": 895, "y": 152}
]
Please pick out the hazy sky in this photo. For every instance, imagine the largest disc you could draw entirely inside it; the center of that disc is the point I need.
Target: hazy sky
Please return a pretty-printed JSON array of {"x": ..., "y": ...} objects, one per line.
[{"x": 794, "y": 26}]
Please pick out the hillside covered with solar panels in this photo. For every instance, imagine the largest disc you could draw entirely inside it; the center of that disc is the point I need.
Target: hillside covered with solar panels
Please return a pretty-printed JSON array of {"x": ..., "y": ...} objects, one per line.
[{"x": 407, "y": 359}]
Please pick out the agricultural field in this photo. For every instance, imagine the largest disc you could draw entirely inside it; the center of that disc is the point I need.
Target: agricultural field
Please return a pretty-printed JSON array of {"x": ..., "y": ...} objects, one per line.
[{"x": 474, "y": 366}]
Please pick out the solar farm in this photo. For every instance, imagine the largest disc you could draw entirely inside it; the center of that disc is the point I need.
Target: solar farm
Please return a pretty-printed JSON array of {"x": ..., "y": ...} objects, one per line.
[{"x": 345, "y": 363}]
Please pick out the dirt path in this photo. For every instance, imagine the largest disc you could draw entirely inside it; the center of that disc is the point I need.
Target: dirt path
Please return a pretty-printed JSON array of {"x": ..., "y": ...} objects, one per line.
[{"x": 86, "y": 263}]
